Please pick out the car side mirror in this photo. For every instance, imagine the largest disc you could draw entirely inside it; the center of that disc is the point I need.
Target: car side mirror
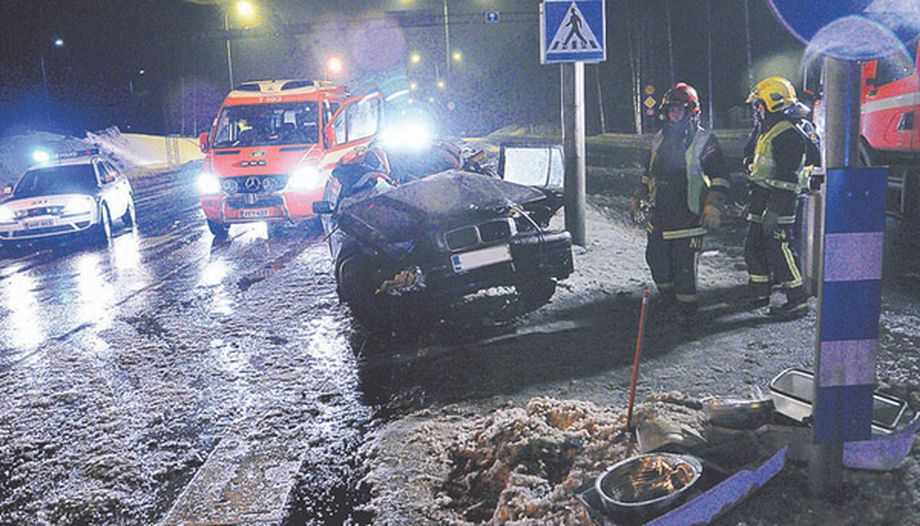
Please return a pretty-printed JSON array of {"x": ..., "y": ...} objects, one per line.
[
  {"x": 203, "y": 142},
  {"x": 322, "y": 207},
  {"x": 8, "y": 189}
]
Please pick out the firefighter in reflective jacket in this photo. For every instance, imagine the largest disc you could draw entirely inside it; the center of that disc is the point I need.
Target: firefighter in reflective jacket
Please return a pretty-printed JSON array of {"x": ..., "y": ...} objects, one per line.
[
  {"x": 686, "y": 184},
  {"x": 780, "y": 155}
]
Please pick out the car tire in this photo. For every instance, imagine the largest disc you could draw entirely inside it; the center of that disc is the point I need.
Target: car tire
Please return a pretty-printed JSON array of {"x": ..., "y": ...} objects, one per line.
[
  {"x": 129, "y": 218},
  {"x": 536, "y": 293},
  {"x": 355, "y": 288},
  {"x": 219, "y": 230},
  {"x": 102, "y": 232}
]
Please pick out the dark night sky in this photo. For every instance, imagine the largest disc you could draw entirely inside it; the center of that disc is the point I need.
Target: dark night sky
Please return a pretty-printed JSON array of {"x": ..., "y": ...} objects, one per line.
[{"x": 95, "y": 81}]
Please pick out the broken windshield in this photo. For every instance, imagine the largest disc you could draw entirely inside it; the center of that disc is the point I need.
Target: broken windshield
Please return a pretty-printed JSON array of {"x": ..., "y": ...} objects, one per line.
[{"x": 268, "y": 124}]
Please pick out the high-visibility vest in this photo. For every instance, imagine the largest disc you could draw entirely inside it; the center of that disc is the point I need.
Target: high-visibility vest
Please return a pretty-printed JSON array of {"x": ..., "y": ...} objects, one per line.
[
  {"x": 763, "y": 169},
  {"x": 697, "y": 181}
]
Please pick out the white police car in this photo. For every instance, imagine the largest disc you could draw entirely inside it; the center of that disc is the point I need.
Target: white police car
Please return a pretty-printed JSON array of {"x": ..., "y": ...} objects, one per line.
[{"x": 76, "y": 192}]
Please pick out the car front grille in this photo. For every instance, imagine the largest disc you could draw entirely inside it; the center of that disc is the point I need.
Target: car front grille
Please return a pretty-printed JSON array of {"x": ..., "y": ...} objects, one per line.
[
  {"x": 254, "y": 184},
  {"x": 472, "y": 236},
  {"x": 43, "y": 231}
]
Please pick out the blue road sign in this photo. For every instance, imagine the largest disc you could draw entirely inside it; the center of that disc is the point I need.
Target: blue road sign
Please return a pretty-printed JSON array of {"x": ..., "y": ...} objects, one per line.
[
  {"x": 572, "y": 31},
  {"x": 853, "y": 29},
  {"x": 493, "y": 17}
]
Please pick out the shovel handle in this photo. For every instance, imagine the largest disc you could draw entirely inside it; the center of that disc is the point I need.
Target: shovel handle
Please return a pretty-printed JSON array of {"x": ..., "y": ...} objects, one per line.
[{"x": 635, "y": 369}]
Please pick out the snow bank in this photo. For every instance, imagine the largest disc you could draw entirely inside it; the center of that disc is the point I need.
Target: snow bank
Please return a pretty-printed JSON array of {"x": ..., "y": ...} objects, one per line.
[
  {"x": 523, "y": 465},
  {"x": 128, "y": 150}
]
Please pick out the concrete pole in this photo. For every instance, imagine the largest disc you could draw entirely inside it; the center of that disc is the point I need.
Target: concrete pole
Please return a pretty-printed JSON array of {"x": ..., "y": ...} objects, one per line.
[
  {"x": 573, "y": 140},
  {"x": 841, "y": 142}
]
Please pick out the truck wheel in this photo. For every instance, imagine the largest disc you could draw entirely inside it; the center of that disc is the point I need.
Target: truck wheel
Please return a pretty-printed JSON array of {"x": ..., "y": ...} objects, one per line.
[
  {"x": 102, "y": 232},
  {"x": 219, "y": 230},
  {"x": 866, "y": 156},
  {"x": 536, "y": 293}
]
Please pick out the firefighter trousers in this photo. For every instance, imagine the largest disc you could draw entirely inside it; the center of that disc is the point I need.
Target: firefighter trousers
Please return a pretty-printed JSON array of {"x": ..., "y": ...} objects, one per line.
[
  {"x": 673, "y": 263},
  {"x": 772, "y": 259}
]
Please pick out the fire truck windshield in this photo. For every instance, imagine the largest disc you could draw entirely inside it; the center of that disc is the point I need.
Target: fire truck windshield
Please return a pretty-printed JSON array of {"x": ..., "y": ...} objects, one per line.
[{"x": 268, "y": 124}]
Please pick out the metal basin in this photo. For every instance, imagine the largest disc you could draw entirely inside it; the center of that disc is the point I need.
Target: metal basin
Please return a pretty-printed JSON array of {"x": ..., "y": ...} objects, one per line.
[
  {"x": 792, "y": 392},
  {"x": 648, "y": 485}
]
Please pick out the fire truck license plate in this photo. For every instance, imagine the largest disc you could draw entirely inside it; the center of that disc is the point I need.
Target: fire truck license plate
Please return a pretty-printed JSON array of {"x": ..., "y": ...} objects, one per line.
[
  {"x": 480, "y": 258},
  {"x": 256, "y": 212}
]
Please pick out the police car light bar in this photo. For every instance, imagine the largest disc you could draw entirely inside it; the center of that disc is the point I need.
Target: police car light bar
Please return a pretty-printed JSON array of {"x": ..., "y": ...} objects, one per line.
[{"x": 43, "y": 156}]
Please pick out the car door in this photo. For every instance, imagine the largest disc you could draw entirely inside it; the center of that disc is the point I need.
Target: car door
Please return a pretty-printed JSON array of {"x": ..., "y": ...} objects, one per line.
[
  {"x": 109, "y": 190},
  {"x": 354, "y": 124},
  {"x": 122, "y": 185}
]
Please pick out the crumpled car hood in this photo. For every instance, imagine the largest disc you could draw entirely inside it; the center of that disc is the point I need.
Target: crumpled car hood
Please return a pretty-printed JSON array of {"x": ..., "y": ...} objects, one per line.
[{"x": 435, "y": 203}]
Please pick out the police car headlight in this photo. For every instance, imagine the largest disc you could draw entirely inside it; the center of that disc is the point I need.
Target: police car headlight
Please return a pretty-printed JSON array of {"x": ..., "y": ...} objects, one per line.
[
  {"x": 78, "y": 206},
  {"x": 7, "y": 215},
  {"x": 208, "y": 184},
  {"x": 306, "y": 177}
]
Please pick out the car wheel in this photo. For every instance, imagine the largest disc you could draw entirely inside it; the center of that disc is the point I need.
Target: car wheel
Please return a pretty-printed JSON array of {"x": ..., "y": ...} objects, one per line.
[
  {"x": 219, "y": 230},
  {"x": 102, "y": 233},
  {"x": 355, "y": 288},
  {"x": 130, "y": 217},
  {"x": 537, "y": 292}
]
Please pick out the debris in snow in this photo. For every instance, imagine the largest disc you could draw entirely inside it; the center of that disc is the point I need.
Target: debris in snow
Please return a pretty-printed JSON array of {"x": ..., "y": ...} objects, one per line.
[{"x": 524, "y": 464}]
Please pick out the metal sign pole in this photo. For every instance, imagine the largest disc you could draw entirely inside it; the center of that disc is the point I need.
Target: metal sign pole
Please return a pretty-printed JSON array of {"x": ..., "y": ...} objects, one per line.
[
  {"x": 849, "y": 284},
  {"x": 573, "y": 141}
]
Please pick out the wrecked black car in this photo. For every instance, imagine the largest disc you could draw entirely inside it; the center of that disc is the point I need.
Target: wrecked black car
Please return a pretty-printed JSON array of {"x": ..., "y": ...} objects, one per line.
[{"x": 436, "y": 239}]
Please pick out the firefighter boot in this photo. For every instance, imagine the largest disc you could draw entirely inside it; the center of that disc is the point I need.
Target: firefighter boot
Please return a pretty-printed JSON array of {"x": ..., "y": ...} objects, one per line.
[
  {"x": 795, "y": 307},
  {"x": 686, "y": 313},
  {"x": 662, "y": 303}
]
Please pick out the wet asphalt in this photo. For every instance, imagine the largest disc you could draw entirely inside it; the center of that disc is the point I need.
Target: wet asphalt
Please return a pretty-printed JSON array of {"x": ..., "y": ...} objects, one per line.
[{"x": 122, "y": 367}]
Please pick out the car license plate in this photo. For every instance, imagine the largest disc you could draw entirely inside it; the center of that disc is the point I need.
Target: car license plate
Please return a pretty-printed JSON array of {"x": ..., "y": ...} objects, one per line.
[
  {"x": 256, "y": 212},
  {"x": 42, "y": 223},
  {"x": 480, "y": 258}
]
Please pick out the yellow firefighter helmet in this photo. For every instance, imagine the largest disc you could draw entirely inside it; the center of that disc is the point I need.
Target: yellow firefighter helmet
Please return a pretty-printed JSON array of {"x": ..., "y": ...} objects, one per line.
[{"x": 776, "y": 93}]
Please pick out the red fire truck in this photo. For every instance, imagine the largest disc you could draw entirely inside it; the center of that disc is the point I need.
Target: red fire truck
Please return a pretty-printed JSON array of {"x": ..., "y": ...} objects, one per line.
[
  {"x": 890, "y": 133},
  {"x": 273, "y": 145}
]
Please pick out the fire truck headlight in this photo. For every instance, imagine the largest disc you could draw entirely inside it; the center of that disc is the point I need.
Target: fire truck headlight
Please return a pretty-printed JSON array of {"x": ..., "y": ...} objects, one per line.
[
  {"x": 306, "y": 177},
  {"x": 208, "y": 184}
]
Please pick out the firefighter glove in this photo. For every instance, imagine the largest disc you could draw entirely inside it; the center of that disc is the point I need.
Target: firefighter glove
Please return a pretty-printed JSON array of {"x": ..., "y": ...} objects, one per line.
[
  {"x": 770, "y": 222},
  {"x": 712, "y": 217}
]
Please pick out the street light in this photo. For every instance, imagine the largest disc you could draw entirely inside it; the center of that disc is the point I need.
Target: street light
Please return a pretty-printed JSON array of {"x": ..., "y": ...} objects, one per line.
[
  {"x": 245, "y": 9},
  {"x": 333, "y": 66},
  {"x": 415, "y": 57},
  {"x": 457, "y": 56}
]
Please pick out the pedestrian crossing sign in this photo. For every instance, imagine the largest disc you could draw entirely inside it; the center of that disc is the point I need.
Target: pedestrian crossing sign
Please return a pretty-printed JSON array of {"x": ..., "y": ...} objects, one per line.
[{"x": 572, "y": 31}]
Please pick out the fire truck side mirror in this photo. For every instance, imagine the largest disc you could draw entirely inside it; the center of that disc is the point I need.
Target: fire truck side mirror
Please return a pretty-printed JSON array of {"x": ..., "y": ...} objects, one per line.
[{"x": 203, "y": 142}]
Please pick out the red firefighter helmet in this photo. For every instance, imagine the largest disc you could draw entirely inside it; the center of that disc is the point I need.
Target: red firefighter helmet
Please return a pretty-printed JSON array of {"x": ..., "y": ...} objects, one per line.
[{"x": 682, "y": 94}]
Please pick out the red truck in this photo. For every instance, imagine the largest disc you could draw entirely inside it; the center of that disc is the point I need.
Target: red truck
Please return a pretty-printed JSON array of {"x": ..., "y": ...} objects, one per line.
[
  {"x": 273, "y": 145},
  {"x": 890, "y": 134}
]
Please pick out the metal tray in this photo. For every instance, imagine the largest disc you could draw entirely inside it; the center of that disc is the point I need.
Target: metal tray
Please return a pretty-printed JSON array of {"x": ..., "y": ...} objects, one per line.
[{"x": 792, "y": 392}]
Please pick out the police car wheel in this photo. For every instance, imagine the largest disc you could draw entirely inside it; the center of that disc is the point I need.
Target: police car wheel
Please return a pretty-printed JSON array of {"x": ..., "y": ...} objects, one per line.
[
  {"x": 102, "y": 232},
  {"x": 130, "y": 217},
  {"x": 219, "y": 230}
]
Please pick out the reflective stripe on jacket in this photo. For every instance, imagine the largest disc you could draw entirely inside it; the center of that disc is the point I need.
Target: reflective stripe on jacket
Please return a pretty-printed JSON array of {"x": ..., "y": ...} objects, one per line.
[
  {"x": 697, "y": 181},
  {"x": 763, "y": 169}
]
